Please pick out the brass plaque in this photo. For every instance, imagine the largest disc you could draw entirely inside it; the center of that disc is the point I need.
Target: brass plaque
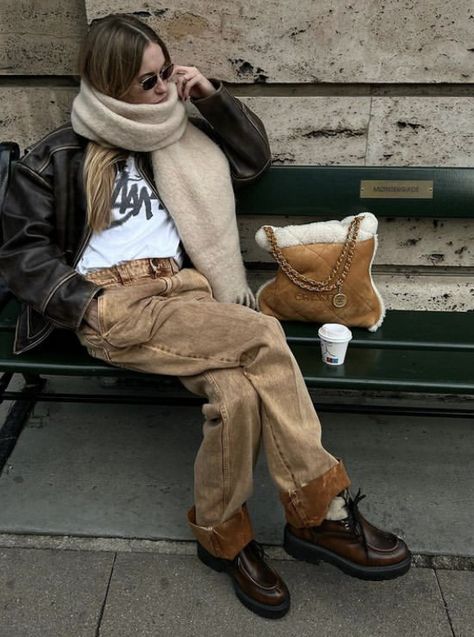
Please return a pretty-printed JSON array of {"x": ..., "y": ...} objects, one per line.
[{"x": 395, "y": 189}]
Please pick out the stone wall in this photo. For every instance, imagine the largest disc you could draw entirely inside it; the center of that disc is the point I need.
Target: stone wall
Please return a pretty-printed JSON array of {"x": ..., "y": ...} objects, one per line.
[
  {"x": 366, "y": 82},
  {"x": 39, "y": 44}
]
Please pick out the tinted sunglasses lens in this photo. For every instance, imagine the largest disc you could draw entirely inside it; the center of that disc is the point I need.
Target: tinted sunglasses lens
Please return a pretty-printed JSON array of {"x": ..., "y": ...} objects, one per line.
[
  {"x": 166, "y": 72},
  {"x": 150, "y": 82}
]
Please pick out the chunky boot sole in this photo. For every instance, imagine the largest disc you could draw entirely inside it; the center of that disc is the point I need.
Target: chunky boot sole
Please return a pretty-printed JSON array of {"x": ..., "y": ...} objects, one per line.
[
  {"x": 302, "y": 550},
  {"x": 264, "y": 610}
]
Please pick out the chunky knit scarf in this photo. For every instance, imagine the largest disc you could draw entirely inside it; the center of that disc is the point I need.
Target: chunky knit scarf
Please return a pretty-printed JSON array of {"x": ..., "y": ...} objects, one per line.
[{"x": 191, "y": 174}]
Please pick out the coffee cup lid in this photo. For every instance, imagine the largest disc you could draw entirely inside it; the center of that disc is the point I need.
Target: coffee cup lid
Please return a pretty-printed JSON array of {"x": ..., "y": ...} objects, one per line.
[{"x": 335, "y": 332}]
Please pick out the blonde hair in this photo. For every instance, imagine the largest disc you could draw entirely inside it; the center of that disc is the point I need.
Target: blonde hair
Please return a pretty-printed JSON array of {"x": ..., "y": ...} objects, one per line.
[{"x": 110, "y": 58}]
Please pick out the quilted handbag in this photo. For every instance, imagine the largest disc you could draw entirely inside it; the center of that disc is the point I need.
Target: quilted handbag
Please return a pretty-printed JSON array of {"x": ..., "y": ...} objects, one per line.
[{"x": 324, "y": 272}]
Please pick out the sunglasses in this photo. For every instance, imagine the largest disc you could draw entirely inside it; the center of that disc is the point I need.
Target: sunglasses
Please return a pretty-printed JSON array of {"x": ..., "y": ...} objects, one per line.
[{"x": 148, "y": 83}]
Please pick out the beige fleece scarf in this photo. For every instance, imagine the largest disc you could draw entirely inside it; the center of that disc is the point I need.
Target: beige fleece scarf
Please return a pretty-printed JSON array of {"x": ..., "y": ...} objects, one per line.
[{"x": 191, "y": 174}]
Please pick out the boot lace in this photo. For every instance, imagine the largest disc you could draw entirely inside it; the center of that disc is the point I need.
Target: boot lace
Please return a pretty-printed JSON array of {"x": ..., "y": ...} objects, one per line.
[
  {"x": 354, "y": 517},
  {"x": 259, "y": 550}
]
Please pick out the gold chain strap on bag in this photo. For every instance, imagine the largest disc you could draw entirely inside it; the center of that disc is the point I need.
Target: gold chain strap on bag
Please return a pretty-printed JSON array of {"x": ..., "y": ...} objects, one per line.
[
  {"x": 344, "y": 261},
  {"x": 345, "y": 294}
]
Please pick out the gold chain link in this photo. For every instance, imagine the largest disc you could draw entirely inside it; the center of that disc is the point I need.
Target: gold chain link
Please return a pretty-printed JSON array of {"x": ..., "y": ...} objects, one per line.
[{"x": 340, "y": 270}]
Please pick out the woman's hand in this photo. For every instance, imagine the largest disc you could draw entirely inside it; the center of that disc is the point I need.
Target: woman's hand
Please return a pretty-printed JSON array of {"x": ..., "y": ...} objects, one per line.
[{"x": 190, "y": 82}]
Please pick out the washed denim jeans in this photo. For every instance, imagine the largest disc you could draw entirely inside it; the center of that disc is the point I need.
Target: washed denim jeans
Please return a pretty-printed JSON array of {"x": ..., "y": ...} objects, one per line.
[{"x": 156, "y": 319}]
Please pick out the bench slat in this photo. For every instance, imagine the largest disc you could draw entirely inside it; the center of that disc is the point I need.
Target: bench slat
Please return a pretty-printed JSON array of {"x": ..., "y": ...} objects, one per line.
[
  {"x": 365, "y": 368},
  {"x": 452, "y": 331},
  {"x": 390, "y": 370},
  {"x": 334, "y": 192},
  {"x": 61, "y": 354}
]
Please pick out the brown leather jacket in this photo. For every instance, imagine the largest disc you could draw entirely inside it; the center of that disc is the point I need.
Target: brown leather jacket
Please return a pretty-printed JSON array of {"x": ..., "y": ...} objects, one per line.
[{"x": 44, "y": 214}]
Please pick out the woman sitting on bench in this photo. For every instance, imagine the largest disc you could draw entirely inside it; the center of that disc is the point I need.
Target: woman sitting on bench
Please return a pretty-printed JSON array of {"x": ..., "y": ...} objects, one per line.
[{"x": 122, "y": 227}]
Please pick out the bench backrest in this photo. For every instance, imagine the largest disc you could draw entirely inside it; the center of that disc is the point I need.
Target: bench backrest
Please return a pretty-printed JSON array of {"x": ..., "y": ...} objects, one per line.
[{"x": 337, "y": 191}]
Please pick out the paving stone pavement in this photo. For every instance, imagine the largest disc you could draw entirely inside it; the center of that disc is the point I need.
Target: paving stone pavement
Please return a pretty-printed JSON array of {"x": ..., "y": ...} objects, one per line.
[
  {"x": 51, "y": 593},
  {"x": 127, "y": 471},
  {"x": 94, "y": 542},
  {"x": 63, "y": 593}
]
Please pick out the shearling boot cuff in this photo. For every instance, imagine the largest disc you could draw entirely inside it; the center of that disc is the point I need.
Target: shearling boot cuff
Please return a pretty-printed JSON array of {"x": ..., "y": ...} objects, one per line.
[
  {"x": 226, "y": 539},
  {"x": 308, "y": 505}
]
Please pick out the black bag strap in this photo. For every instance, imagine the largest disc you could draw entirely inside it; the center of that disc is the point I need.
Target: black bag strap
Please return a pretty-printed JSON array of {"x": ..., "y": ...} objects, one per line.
[{"x": 9, "y": 152}]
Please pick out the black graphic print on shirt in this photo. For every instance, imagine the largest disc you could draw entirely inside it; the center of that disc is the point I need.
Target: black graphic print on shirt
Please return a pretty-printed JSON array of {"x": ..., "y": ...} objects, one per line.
[{"x": 129, "y": 199}]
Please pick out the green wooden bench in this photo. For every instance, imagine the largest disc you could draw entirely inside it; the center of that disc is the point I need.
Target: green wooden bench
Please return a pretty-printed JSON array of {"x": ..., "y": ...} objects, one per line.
[{"x": 414, "y": 351}]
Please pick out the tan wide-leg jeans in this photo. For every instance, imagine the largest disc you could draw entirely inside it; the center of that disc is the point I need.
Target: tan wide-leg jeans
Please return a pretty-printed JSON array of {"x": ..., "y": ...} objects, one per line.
[{"x": 156, "y": 319}]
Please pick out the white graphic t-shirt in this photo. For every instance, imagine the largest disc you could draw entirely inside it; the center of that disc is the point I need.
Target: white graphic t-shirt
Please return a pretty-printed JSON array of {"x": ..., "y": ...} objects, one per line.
[{"x": 141, "y": 226}]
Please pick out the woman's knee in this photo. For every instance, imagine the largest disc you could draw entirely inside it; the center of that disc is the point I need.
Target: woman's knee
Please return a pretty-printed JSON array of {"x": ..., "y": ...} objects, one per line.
[{"x": 232, "y": 391}]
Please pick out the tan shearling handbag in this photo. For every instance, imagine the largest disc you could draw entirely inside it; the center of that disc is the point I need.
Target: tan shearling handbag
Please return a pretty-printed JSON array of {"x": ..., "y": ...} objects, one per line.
[{"x": 325, "y": 272}]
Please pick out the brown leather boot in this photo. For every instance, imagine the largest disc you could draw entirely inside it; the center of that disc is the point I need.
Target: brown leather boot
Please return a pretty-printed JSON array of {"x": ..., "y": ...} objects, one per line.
[
  {"x": 354, "y": 545},
  {"x": 256, "y": 584}
]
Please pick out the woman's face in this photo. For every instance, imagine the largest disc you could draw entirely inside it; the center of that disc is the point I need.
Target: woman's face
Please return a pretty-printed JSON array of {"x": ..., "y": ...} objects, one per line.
[{"x": 152, "y": 63}]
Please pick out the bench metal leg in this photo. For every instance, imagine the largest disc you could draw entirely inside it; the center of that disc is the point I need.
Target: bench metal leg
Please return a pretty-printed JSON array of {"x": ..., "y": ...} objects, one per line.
[{"x": 18, "y": 413}]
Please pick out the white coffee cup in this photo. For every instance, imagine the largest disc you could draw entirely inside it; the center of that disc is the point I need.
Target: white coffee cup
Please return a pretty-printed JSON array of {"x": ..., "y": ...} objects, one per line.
[{"x": 334, "y": 341}]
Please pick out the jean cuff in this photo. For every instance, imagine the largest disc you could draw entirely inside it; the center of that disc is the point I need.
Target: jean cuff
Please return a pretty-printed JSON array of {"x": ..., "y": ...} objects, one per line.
[
  {"x": 309, "y": 504},
  {"x": 226, "y": 539}
]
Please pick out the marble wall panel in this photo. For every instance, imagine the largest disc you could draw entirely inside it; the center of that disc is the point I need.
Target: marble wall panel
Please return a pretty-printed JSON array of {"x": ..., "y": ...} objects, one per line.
[
  {"x": 314, "y": 130},
  {"x": 307, "y": 41},
  {"x": 426, "y": 242},
  {"x": 40, "y": 38},
  {"x": 401, "y": 131},
  {"x": 402, "y": 242},
  {"x": 397, "y": 131},
  {"x": 414, "y": 292},
  {"x": 28, "y": 114},
  {"x": 421, "y": 131}
]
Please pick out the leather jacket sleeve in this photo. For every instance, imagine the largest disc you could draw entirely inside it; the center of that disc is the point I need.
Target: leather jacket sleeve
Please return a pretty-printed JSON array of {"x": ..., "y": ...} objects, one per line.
[
  {"x": 238, "y": 131},
  {"x": 31, "y": 261}
]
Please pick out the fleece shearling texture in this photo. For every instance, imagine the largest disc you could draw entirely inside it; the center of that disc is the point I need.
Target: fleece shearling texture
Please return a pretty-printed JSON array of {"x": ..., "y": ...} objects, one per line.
[
  {"x": 337, "y": 509},
  {"x": 318, "y": 232},
  {"x": 191, "y": 173}
]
